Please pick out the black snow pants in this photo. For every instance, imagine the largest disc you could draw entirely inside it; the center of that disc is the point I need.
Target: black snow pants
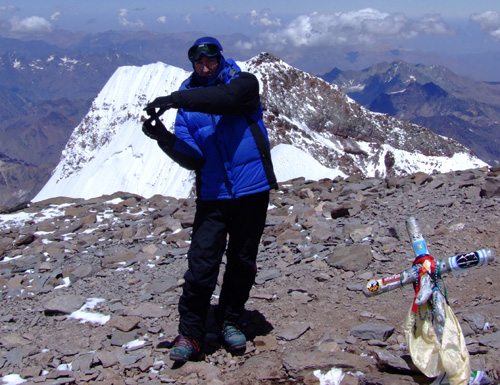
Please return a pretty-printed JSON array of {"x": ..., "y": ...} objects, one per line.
[{"x": 239, "y": 224}]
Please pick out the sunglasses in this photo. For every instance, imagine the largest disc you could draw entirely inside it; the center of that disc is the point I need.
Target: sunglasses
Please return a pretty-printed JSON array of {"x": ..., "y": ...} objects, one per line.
[{"x": 209, "y": 50}]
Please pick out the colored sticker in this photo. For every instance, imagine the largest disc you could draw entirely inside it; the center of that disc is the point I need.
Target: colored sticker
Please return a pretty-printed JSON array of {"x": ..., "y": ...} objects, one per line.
[
  {"x": 467, "y": 260},
  {"x": 373, "y": 286},
  {"x": 391, "y": 279}
]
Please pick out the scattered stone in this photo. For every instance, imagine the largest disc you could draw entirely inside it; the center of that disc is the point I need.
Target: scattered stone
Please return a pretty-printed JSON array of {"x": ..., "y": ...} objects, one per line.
[
  {"x": 109, "y": 358},
  {"x": 82, "y": 271},
  {"x": 388, "y": 362},
  {"x": 124, "y": 324},
  {"x": 162, "y": 285},
  {"x": 352, "y": 258},
  {"x": 293, "y": 331},
  {"x": 476, "y": 320},
  {"x": 372, "y": 331},
  {"x": 24, "y": 240},
  {"x": 148, "y": 310},
  {"x": 491, "y": 339},
  {"x": 64, "y": 304},
  {"x": 264, "y": 367},
  {"x": 83, "y": 362},
  {"x": 267, "y": 275},
  {"x": 266, "y": 343}
]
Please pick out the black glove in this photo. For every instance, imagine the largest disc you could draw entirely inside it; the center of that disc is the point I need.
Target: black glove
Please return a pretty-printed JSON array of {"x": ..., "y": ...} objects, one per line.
[
  {"x": 155, "y": 129},
  {"x": 162, "y": 102}
]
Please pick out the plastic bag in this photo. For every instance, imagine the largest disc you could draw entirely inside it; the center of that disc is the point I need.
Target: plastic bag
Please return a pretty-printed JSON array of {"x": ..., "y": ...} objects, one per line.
[{"x": 432, "y": 357}]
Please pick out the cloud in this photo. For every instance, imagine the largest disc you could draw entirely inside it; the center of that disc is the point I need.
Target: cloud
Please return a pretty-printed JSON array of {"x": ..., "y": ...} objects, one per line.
[
  {"x": 366, "y": 26},
  {"x": 33, "y": 24},
  {"x": 122, "y": 19},
  {"x": 55, "y": 16},
  {"x": 162, "y": 19},
  {"x": 243, "y": 45},
  {"x": 187, "y": 18},
  {"x": 262, "y": 19},
  {"x": 8, "y": 8},
  {"x": 489, "y": 22}
]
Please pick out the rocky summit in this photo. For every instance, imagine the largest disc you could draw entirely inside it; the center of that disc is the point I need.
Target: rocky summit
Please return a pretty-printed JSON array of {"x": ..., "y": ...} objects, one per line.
[{"x": 89, "y": 288}]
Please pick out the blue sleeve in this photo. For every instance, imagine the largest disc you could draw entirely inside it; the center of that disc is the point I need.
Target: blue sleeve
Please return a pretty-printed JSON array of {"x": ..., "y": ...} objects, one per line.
[{"x": 182, "y": 148}]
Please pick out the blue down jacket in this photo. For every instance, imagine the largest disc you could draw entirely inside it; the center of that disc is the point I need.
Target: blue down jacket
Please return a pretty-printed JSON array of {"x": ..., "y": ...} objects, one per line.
[{"x": 219, "y": 133}]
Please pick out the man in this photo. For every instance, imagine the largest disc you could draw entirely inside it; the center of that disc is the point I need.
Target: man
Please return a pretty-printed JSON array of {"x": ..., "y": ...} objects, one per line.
[{"x": 220, "y": 134}]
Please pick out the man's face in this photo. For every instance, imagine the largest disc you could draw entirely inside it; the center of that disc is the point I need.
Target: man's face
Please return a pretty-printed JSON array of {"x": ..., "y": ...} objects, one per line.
[{"x": 205, "y": 66}]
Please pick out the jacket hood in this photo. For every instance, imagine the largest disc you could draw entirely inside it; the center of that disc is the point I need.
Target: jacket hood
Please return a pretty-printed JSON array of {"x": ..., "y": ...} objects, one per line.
[{"x": 207, "y": 40}]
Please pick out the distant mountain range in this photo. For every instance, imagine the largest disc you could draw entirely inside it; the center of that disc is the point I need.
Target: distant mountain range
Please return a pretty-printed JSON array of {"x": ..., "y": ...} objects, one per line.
[
  {"x": 44, "y": 94},
  {"x": 432, "y": 96},
  {"x": 47, "y": 89}
]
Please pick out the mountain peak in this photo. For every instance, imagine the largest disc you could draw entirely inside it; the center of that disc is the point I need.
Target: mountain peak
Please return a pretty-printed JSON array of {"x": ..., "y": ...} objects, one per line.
[
  {"x": 266, "y": 57},
  {"x": 108, "y": 151}
]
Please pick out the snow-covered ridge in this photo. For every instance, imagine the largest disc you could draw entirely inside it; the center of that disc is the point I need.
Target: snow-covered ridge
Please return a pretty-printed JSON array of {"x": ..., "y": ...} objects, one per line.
[
  {"x": 305, "y": 116},
  {"x": 120, "y": 102},
  {"x": 108, "y": 152}
]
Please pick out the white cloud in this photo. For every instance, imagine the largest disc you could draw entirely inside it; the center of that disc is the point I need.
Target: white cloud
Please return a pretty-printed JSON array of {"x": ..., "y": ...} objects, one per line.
[
  {"x": 8, "y": 8},
  {"x": 489, "y": 22},
  {"x": 187, "y": 18},
  {"x": 432, "y": 25},
  {"x": 262, "y": 19},
  {"x": 366, "y": 26},
  {"x": 243, "y": 45},
  {"x": 162, "y": 20},
  {"x": 31, "y": 24},
  {"x": 55, "y": 16},
  {"x": 122, "y": 19}
]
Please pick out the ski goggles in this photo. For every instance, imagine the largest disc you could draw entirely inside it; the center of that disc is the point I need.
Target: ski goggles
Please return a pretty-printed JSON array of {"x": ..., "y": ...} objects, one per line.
[{"x": 209, "y": 50}]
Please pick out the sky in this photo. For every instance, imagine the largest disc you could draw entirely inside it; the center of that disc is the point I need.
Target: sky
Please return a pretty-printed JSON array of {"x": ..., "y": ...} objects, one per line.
[
  {"x": 314, "y": 35},
  {"x": 444, "y": 24}
]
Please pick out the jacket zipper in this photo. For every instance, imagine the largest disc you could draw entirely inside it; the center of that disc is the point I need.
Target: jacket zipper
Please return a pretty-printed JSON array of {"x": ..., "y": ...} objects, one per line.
[{"x": 228, "y": 184}]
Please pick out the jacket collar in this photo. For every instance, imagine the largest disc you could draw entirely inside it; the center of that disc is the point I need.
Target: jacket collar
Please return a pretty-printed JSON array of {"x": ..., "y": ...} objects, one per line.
[{"x": 225, "y": 71}]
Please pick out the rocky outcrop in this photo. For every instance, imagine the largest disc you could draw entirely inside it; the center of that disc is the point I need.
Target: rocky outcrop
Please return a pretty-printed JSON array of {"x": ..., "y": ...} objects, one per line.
[{"x": 89, "y": 288}]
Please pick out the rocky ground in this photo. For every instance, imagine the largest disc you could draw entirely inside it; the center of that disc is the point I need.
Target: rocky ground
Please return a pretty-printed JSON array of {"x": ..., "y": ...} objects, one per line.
[{"x": 89, "y": 289}]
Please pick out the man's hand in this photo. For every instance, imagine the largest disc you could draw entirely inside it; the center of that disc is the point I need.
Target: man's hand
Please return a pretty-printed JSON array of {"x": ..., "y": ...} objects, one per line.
[
  {"x": 155, "y": 129},
  {"x": 162, "y": 102}
]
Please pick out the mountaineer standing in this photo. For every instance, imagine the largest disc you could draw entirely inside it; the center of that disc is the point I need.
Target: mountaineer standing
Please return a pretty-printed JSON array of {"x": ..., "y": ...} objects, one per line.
[{"x": 220, "y": 134}]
